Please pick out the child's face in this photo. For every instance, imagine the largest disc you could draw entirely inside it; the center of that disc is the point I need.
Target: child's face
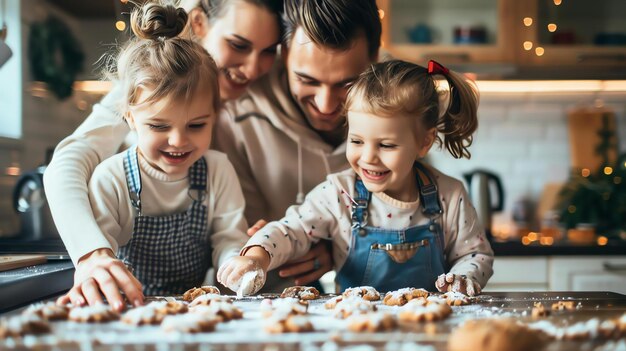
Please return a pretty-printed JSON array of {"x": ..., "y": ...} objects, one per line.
[
  {"x": 382, "y": 150},
  {"x": 173, "y": 133}
]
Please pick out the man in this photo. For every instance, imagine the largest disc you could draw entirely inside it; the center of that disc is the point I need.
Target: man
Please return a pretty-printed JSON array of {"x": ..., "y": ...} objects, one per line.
[{"x": 288, "y": 132}]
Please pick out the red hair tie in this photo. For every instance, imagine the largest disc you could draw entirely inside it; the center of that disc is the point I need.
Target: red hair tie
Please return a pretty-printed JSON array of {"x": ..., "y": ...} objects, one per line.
[{"x": 435, "y": 67}]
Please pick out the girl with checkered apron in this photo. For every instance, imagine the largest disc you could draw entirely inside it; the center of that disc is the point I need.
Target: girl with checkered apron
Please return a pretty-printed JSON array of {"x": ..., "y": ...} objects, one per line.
[
  {"x": 394, "y": 221},
  {"x": 169, "y": 209}
]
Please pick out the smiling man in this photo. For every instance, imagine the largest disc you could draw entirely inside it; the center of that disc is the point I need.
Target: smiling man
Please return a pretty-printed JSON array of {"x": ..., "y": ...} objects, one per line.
[{"x": 288, "y": 132}]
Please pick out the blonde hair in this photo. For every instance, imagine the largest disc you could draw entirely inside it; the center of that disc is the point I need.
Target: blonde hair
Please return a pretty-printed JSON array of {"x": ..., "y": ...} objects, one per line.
[
  {"x": 401, "y": 88},
  {"x": 160, "y": 59}
]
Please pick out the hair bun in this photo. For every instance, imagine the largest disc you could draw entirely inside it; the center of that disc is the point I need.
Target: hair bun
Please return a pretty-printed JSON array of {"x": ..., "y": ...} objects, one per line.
[{"x": 155, "y": 21}]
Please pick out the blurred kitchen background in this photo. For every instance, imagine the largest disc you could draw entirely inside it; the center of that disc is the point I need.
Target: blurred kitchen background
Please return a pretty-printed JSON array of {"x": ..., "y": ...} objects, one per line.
[{"x": 546, "y": 175}]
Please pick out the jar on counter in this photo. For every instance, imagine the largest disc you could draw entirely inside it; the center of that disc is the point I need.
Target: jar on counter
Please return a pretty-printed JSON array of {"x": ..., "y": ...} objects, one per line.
[{"x": 583, "y": 234}]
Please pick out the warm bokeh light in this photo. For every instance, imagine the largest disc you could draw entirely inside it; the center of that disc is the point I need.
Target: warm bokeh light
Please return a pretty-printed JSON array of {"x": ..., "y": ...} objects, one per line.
[
  {"x": 557, "y": 2},
  {"x": 532, "y": 236},
  {"x": 528, "y": 21},
  {"x": 12, "y": 171},
  {"x": 617, "y": 180},
  {"x": 546, "y": 240},
  {"x": 608, "y": 170},
  {"x": 120, "y": 25},
  {"x": 539, "y": 51},
  {"x": 528, "y": 45},
  {"x": 585, "y": 172},
  {"x": 381, "y": 14},
  {"x": 525, "y": 240},
  {"x": 602, "y": 240},
  {"x": 552, "y": 27},
  {"x": 571, "y": 208}
]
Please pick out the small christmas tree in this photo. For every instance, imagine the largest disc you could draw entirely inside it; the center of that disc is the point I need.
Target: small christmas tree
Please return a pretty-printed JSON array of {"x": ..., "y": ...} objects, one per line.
[{"x": 597, "y": 197}]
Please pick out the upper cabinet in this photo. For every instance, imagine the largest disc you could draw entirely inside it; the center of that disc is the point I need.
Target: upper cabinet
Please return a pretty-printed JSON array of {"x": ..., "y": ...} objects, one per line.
[
  {"x": 459, "y": 31},
  {"x": 511, "y": 38},
  {"x": 568, "y": 32}
]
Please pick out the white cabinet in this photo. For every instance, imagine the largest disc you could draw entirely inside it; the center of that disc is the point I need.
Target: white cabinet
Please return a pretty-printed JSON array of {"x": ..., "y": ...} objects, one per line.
[
  {"x": 586, "y": 273},
  {"x": 519, "y": 274},
  {"x": 559, "y": 273}
]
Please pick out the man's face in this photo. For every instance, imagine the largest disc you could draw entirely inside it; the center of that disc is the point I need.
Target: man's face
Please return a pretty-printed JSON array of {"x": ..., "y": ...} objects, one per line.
[{"x": 319, "y": 78}]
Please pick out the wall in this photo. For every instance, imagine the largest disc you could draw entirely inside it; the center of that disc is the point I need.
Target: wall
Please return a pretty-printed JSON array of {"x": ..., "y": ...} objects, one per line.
[
  {"x": 523, "y": 137},
  {"x": 46, "y": 120}
]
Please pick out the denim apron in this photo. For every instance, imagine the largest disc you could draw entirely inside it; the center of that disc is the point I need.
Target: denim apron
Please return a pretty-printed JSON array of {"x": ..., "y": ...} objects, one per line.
[
  {"x": 394, "y": 259},
  {"x": 168, "y": 254}
]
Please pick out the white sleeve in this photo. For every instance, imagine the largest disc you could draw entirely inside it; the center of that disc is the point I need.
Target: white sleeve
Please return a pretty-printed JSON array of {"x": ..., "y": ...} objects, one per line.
[
  {"x": 228, "y": 225},
  {"x": 108, "y": 195},
  {"x": 468, "y": 250},
  {"x": 291, "y": 237},
  {"x": 74, "y": 161}
]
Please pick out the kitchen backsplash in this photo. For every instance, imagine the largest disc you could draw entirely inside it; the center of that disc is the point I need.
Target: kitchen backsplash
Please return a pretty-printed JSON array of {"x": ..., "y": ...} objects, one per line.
[{"x": 522, "y": 137}]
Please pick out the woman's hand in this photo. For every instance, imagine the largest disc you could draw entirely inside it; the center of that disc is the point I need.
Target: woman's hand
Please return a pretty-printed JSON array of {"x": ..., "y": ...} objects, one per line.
[
  {"x": 99, "y": 273},
  {"x": 457, "y": 283},
  {"x": 311, "y": 266}
]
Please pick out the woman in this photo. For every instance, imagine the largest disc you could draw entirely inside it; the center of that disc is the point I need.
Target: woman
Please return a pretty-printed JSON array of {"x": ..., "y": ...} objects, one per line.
[{"x": 242, "y": 36}]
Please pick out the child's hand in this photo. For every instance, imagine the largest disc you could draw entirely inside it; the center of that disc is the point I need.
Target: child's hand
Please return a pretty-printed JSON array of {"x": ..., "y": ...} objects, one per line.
[
  {"x": 458, "y": 283},
  {"x": 100, "y": 273},
  {"x": 242, "y": 274}
]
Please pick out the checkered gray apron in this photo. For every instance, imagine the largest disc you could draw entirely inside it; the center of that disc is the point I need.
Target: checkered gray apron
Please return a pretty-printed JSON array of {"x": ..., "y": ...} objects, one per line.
[{"x": 168, "y": 254}]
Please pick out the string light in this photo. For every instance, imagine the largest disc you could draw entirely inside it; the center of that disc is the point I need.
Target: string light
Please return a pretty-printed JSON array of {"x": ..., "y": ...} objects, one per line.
[
  {"x": 557, "y": 2},
  {"x": 552, "y": 27},
  {"x": 120, "y": 25},
  {"x": 528, "y": 45},
  {"x": 585, "y": 172},
  {"x": 608, "y": 170},
  {"x": 528, "y": 21},
  {"x": 539, "y": 51}
]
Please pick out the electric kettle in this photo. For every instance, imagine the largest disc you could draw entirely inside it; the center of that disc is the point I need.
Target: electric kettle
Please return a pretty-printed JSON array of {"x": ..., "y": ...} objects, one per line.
[
  {"x": 29, "y": 200},
  {"x": 486, "y": 193}
]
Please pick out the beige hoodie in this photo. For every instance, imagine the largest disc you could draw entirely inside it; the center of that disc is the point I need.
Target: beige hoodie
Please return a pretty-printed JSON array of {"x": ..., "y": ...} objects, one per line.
[{"x": 278, "y": 156}]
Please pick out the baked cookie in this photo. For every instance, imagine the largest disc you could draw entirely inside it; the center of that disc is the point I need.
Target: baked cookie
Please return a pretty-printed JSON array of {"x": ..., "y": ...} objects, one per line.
[
  {"x": 454, "y": 298},
  {"x": 280, "y": 323},
  {"x": 144, "y": 315},
  {"x": 371, "y": 322},
  {"x": 289, "y": 306},
  {"x": 495, "y": 335},
  {"x": 330, "y": 304},
  {"x": 224, "y": 310},
  {"x": 365, "y": 292},
  {"x": 189, "y": 323},
  {"x": 301, "y": 292},
  {"x": 423, "y": 310},
  {"x": 99, "y": 313},
  {"x": 402, "y": 296},
  {"x": 49, "y": 310},
  {"x": 25, "y": 324},
  {"x": 192, "y": 293},
  {"x": 353, "y": 305},
  {"x": 207, "y": 299},
  {"x": 563, "y": 305},
  {"x": 539, "y": 310}
]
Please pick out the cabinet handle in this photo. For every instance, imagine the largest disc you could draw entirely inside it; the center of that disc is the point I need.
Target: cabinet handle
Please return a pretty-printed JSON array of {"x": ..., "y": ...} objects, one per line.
[
  {"x": 446, "y": 56},
  {"x": 611, "y": 267},
  {"x": 601, "y": 57}
]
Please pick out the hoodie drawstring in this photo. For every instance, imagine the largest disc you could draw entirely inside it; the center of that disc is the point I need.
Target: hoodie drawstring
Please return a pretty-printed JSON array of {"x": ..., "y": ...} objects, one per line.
[{"x": 300, "y": 195}]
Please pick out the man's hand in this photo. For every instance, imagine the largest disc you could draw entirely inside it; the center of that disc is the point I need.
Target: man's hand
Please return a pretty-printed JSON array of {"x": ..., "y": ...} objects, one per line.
[
  {"x": 458, "y": 283},
  {"x": 100, "y": 273},
  {"x": 311, "y": 266},
  {"x": 256, "y": 227}
]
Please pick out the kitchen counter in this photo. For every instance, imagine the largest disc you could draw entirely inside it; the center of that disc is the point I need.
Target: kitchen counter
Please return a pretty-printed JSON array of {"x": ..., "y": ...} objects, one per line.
[
  {"x": 248, "y": 334},
  {"x": 516, "y": 248},
  {"x": 25, "y": 285}
]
